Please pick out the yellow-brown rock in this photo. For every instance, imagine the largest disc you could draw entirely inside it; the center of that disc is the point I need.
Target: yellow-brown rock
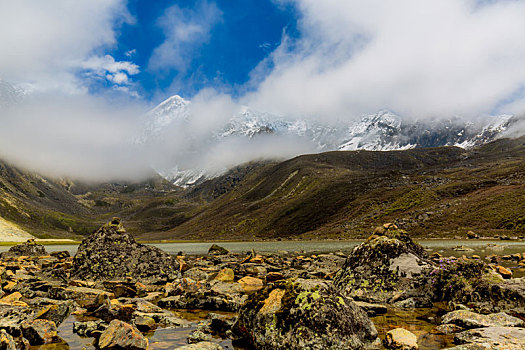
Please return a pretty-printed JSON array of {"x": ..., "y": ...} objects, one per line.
[
  {"x": 251, "y": 284},
  {"x": 400, "y": 339},
  {"x": 274, "y": 302},
  {"x": 504, "y": 272},
  {"x": 121, "y": 335},
  {"x": 225, "y": 275}
]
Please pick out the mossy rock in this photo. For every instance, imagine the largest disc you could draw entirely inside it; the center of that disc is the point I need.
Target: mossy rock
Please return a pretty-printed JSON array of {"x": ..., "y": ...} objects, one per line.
[
  {"x": 303, "y": 314},
  {"x": 111, "y": 253},
  {"x": 382, "y": 266}
]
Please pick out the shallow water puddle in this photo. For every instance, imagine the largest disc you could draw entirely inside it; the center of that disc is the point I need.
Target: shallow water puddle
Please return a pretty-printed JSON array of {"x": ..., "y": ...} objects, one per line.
[
  {"x": 422, "y": 322},
  {"x": 72, "y": 340},
  {"x": 159, "y": 339}
]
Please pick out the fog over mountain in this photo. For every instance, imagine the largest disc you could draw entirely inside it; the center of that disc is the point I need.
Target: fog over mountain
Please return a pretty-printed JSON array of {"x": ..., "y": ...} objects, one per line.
[
  {"x": 346, "y": 75},
  {"x": 188, "y": 142}
]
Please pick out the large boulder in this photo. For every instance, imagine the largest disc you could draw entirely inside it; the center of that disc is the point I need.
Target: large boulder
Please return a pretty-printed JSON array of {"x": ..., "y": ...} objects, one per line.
[
  {"x": 29, "y": 248},
  {"x": 386, "y": 264},
  {"x": 303, "y": 314},
  {"x": 476, "y": 284},
  {"x": 111, "y": 253}
]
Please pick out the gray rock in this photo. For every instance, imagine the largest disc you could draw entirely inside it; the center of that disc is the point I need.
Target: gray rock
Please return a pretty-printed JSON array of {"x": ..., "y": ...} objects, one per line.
[
  {"x": 121, "y": 335},
  {"x": 6, "y": 341},
  {"x": 503, "y": 337},
  {"x": 89, "y": 328},
  {"x": 372, "y": 309},
  {"x": 400, "y": 339},
  {"x": 144, "y": 323},
  {"x": 39, "y": 332},
  {"x": 196, "y": 274},
  {"x": 469, "y": 319},
  {"x": 11, "y": 317},
  {"x": 57, "y": 312},
  {"x": 384, "y": 265},
  {"x": 448, "y": 329},
  {"x": 413, "y": 302},
  {"x": 218, "y": 250},
  {"x": 198, "y": 336}
]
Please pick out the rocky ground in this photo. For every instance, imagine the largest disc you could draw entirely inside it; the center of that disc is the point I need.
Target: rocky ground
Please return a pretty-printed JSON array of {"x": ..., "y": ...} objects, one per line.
[{"x": 120, "y": 291}]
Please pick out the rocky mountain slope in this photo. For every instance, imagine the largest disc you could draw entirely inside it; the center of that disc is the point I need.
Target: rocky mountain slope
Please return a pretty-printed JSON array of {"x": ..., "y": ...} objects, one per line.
[{"x": 31, "y": 204}]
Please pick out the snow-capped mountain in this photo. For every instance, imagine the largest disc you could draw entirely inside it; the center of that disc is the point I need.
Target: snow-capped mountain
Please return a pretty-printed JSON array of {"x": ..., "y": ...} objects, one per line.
[{"x": 380, "y": 131}]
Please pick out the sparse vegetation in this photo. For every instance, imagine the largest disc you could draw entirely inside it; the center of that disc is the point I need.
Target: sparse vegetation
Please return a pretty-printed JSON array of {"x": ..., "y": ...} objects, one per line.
[{"x": 438, "y": 192}]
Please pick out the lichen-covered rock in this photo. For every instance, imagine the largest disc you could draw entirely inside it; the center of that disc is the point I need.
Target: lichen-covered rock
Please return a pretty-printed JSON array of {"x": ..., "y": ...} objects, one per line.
[
  {"x": 55, "y": 312},
  {"x": 121, "y": 335},
  {"x": 225, "y": 275},
  {"x": 474, "y": 283},
  {"x": 88, "y": 298},
  {"x": 29, "y": 248},
  {"x": 382, "y": 266},
  {"x": 251, "y": 284},
  {"x": 11, "y": 318},
  {"x": 111, "y": 253},
  {"x": 303, "y": 314},
  {"x": 89, "y": 328}
]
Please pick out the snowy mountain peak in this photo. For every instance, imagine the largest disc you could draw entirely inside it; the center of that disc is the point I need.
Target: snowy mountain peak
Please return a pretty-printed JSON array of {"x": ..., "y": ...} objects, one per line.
[
  {"x": 378, "y": 132},
  {"x": 167, "y": 112}
]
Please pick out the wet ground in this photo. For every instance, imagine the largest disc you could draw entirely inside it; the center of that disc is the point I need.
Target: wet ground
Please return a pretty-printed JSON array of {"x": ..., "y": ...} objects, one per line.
[{"x": 421, "y": 322}]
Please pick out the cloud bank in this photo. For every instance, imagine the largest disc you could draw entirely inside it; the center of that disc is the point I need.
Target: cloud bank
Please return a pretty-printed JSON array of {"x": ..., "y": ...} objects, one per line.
[
  {"x": 419, "y": 59},
  {"x": 76, "y": 136},
  {"x": 422, "y": 59}
]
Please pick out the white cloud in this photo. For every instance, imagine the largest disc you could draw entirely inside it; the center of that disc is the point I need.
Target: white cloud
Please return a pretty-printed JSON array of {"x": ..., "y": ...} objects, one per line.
[
  {"x": 418, "y": 58},
  {"x": 46, "y": 43},
  {"x": 130, "y": 53},
  {"x": 83, "y": 137},
  {"x": 185, "y": 30},
  {"x": 117, "y": 72}
]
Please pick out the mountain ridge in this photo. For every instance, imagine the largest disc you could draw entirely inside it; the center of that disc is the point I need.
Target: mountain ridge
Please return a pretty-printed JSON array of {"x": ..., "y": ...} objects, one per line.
[{"x": 381, "y": 131}]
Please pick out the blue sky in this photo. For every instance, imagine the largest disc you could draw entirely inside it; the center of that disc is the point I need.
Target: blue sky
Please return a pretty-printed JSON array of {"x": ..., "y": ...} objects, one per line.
[
  {"x": 327, "y": 59},
  {"x": 241, "y": 34}
]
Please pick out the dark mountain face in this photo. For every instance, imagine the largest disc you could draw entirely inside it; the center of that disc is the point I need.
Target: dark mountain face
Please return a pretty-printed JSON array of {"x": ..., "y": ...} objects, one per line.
[{"x": 433, "y": 192}]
